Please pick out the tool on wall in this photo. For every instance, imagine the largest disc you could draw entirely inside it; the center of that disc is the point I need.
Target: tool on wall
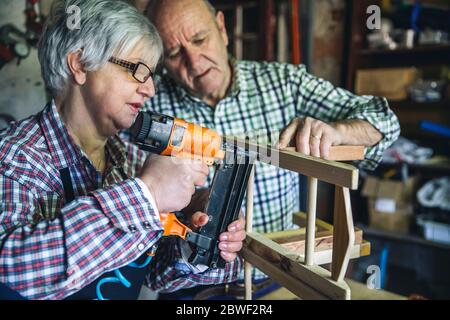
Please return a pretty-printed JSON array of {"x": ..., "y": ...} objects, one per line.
[
  {"x": 13, "y": 44},
  {"x": 16, "y": 44},
  {"x": 34, "y": 21}
]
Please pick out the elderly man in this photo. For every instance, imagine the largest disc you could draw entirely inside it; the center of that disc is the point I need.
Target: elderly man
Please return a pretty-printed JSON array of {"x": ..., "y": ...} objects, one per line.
[{"x": 203, "y": 84}]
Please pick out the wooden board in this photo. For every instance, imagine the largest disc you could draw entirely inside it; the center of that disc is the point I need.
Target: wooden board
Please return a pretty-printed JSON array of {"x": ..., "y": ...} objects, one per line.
[
  {"x": 333, "y": 172},
  {"x": 343, "y": 233},
  {"x": 299, "y": 219},
  {"x": 359, "y": 291},
  {"x": 308, "y": 282},
  {"x": 342, "y": 153}
]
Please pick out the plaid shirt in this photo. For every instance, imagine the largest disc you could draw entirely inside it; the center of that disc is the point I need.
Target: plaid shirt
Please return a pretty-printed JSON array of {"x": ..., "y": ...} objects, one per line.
[
  {"x": 50, "y": 249},
  {"x": 264, "y": 97}
]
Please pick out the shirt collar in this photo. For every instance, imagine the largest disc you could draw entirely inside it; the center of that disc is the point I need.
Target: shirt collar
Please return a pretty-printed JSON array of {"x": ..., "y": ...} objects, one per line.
[
  {"x": 238, "y": 84},
  {"x": 63, "y": 149}
]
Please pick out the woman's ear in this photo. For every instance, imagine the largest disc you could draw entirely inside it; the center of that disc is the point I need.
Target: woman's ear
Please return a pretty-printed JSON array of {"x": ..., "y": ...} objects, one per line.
[{"x": 76, "y": 67}]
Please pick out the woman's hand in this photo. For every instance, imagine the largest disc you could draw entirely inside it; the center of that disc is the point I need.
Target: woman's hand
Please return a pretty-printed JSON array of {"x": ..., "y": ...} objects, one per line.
[
  {"x": 230, "y": 241},
  {"x": 172, "y": 181}
]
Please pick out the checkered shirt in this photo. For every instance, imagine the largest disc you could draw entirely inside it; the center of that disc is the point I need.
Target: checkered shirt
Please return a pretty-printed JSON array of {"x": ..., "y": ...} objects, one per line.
[
  {"x": 50, "y": 249},
  {"x": 263, "y": 98}
]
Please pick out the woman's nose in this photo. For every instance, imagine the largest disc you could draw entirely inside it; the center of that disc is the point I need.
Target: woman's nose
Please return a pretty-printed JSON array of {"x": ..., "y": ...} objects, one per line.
[{"x": 147, "y": 89}]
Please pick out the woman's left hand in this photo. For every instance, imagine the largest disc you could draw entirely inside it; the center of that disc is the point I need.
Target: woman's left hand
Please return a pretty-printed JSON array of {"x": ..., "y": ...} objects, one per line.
[{"x": 230, "y": 241}]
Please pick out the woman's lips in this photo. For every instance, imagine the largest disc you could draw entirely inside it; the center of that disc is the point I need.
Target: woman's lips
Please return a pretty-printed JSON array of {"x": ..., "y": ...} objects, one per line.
[{"x": 135, "y": 107}]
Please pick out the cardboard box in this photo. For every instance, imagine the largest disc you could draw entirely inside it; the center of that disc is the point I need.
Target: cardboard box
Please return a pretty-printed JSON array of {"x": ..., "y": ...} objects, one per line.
[
  {"x": 392, "y": 83},
  {"x": 389, "y": 203}
]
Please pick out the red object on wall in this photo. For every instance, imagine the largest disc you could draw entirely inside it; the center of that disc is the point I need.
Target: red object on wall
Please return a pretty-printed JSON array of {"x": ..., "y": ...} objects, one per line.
[{"x": 295, "y": 32}]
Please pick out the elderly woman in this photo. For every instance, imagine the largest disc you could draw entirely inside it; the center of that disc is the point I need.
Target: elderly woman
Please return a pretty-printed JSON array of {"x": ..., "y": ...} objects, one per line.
[{"x": 79, "y": 207}]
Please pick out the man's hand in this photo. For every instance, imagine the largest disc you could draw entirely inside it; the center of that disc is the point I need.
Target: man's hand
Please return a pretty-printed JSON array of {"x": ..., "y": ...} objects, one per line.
[
  {"x": 230, "y": 241},
  {"x": 314, "y": 137},
  {"x": 310, "y": 136},
  {"x": 172, "y": 181}
]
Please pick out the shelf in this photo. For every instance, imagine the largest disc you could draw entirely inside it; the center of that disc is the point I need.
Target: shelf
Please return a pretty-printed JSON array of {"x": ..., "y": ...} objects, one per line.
[
  {"x": 409, "y": 238},
  {"x": 443, "y": 168},
  {"x": 443, "y": 48},
  {"x": 419, "y": 56},
  {"x": 404, "y": 105}
]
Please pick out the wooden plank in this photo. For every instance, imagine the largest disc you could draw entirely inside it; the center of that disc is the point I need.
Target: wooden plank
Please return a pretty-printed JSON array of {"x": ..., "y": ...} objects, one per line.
[
  {"x": 346, "y": 153},
  {"x": 292, "y": 283},
  {"x": 365, "y": 248},
  {"x": 359, "y": 291},
  {"x": 285, "y": 234},
  {"x": 311, "y": 221},
  {"x": 299, "y": 219},
  {"x": 322, "y": 242},
  {"x": 249, "y": 228},
  {"x": 343, "y": 233},
  {"x": 341, "y": 153},
  {"x": 309, "y": 282},
  {"x": 326, "y": 256},
  {"x": 337, "y": 173}
]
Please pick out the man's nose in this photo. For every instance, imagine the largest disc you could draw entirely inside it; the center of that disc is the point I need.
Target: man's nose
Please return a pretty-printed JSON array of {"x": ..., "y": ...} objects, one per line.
[{"x": 193, "y": 57}]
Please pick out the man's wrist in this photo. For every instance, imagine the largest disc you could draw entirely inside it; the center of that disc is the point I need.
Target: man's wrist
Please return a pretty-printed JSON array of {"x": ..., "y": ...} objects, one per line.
[{"x": 342, "y": 132}]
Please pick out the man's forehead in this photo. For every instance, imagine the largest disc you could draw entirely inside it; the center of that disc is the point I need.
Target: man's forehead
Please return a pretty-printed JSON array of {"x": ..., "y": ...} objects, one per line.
[
  {"x": 185, "y": 30},
  {"x": 182, "y": 14}
]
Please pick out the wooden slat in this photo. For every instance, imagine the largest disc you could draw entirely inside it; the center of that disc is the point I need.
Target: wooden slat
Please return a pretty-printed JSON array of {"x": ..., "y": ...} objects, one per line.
[
  {"x": 311, "y": 221},
  {"x": 346, "y": 153},
  {"x": 333, "y": 172},
  {"x": 342, "y": 153},
  {"x": 299, "y": 219},
  {"x": 249, "y": 228},
  {"x": 323, "y": 242},
  {"x": 343, "y": 233},
  {"x": 308, "y": 282},
  {"x": 325, "y": 256}
]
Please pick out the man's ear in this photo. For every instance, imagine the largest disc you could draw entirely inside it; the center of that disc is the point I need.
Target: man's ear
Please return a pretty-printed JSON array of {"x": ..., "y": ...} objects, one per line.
[
  {"x": 76, "y": 68},
  {"x": 220, "y": 19}
]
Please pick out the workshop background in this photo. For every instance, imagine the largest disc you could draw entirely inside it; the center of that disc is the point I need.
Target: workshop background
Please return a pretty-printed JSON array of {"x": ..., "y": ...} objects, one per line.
[{"x": 403, "y": 207}]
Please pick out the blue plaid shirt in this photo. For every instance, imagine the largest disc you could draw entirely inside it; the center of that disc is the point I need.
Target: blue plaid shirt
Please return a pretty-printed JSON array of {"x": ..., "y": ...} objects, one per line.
[
  {"x": 51, "y": 249},
  {"x": 263, "y": 98}
]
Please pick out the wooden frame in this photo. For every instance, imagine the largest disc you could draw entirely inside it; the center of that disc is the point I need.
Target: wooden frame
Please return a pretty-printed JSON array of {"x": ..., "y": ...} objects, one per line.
[{"x": 301, "y": 273}]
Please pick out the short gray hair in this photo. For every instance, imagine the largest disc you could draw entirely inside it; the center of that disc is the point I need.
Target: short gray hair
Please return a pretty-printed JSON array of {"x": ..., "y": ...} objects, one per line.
[
  {"x": 152, "y": 3},
  {"x": 107, "y": 28}
]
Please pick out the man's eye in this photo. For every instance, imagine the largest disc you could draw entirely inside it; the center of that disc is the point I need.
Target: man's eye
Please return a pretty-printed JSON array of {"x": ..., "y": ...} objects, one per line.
[{"x": 199, "y": 41}]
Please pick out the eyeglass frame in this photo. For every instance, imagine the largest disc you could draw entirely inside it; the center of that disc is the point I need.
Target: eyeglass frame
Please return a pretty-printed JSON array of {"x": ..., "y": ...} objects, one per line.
[{"x": 133, "y": 67}]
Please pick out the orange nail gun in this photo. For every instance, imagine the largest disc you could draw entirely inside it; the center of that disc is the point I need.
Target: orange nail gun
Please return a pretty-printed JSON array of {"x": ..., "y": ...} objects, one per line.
[{"x": 165, "y": 135}]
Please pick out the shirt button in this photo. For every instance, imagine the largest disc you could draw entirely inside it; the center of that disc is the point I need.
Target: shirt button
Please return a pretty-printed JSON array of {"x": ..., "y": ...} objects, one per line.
[
  {"x": 147, "y": 225},
  {"x": 141, "y": 247},
  {"x": 132, "y": 228}
]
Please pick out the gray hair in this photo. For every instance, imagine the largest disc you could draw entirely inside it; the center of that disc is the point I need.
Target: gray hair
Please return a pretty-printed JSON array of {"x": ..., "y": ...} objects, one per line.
[
  {"x": 152, "y": 3},
  {"x": 107, "y": 28}
]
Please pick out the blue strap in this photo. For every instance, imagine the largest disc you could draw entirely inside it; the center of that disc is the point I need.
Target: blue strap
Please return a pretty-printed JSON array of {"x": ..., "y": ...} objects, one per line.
[{"x": 6, "y": 293}]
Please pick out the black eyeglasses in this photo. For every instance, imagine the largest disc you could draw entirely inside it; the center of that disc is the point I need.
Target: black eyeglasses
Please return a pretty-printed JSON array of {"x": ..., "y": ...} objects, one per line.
[{"x": 140, "y": 71}]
